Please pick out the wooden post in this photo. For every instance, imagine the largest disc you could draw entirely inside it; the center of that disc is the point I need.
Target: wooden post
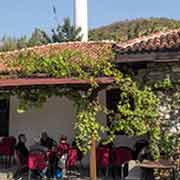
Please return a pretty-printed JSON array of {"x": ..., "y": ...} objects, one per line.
[{"x": 93, "y": 159}]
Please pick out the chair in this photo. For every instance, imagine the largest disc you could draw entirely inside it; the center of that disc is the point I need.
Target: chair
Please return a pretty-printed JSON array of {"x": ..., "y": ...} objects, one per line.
[
  {"x": 103, "y": 159},
  {"x": 72, "y": 160},
  {"x": 120, "y": 156},
  {"x": 36, "y": 162},
  {"x": 7, "y": 148},
  {"x": 72, "y": 157},
  {"x": 134, "y": 171}
]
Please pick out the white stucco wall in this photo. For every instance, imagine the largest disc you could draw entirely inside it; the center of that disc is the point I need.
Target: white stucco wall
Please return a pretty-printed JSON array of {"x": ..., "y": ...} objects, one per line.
[{"x": 56, "y": 117}]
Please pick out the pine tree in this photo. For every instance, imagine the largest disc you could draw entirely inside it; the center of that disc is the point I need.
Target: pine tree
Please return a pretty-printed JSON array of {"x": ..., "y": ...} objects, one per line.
[
  {"x": 8, "y": 43},
  {"x": 39, "y": 37},
  {"x": 22, "y": 42},
  {"x": 66, "y": 32}
]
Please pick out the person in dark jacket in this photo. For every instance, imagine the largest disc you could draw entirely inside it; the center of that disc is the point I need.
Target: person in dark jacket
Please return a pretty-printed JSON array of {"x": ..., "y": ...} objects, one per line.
[
  {"x": 46, "y": 141},
  {"x": 22, "y": 149}
]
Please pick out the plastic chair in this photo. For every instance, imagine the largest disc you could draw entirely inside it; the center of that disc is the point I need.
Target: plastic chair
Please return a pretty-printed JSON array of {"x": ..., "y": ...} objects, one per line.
[
  {"x": 120, "y": 157},
  {"x": 72, "y": 158},
  {"x": 7, "y": 148},
  {"x": 37, "y": 161},
  {"x": 103, "y": 159}
]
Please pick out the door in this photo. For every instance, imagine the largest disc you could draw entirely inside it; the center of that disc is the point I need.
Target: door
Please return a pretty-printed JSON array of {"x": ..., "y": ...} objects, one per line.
[
  {"x": 112, "y": 99},
  {"x": 4, "y": 117}
]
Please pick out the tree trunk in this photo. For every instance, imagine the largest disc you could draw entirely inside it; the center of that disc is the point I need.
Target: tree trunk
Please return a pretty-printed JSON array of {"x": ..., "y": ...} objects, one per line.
[{"x": 93, "y": 159}]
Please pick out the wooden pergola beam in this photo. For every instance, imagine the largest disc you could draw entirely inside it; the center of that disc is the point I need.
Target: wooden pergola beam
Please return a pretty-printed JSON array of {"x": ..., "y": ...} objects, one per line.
[
  {"x": 28, "y": 82},
  {"x": 33, "y": 82}
]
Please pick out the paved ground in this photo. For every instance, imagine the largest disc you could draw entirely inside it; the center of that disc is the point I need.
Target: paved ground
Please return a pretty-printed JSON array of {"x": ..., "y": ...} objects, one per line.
[{"x": 7, "y": 174}]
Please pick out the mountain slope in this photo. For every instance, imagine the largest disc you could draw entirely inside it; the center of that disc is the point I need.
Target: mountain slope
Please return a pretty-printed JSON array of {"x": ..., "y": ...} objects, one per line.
[{"x": 129, "y": 29}]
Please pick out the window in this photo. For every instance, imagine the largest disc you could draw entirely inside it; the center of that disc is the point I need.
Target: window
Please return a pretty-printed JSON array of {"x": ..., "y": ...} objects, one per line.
[{"x": 112, "y": 99}]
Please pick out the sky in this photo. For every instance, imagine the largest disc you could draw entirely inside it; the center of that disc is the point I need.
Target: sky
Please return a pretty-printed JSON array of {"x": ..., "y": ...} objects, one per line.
[{"x": 20, "y": 17}]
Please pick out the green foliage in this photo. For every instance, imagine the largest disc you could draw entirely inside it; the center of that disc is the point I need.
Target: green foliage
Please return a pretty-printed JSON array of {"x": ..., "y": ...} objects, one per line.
[
  {"x": 8, "y": 43},
  {"x": 120, "y": 32},
  {"x": 137, "y": 113},
  {"x": 166, "y": 84},
  {"x": 66, "y": 32},
  {"x": 130, "y": 29},
  {"x": 137, "y": 109},
  {"x": 86, "y": 123},
  {"x": 169, "y": 96},
  {"x": 22, "y": 42},
  {"x": 70, "y": 63},
  {"x": 63, "y": 33},
  {"x": 39, "y": 37}
]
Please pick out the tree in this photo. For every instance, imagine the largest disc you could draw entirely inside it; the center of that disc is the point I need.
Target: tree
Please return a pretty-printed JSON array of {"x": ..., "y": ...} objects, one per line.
[
  {"x": 8, "y": 43},
  {"x": 22, "y": 42},
  {"x": 39, "y": 37},
  {"x": 66, "y": 32}
]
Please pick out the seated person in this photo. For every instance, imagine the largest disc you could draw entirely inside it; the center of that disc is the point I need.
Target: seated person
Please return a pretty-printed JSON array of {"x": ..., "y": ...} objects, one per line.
[
  {"x": 37, "y": 146},
  {"x": 62, "y": 147},
  {"x": 145, "y": 153},
  {"x": 46, "y": 141},
  {"x": 22, "y": 149},
  {"x": 130, "y": 142},
  {"x": 79, "y": 152}
]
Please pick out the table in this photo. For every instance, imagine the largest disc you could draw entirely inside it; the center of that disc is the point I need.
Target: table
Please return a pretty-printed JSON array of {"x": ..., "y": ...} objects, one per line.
[{"x": 149, "y": 167}]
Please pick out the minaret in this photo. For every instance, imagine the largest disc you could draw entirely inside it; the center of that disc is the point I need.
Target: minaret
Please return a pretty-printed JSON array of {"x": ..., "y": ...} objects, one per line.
[{"x": 81, "y": 17}]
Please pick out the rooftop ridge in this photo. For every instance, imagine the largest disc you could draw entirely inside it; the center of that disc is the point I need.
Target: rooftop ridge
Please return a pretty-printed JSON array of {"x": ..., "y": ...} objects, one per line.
[
  {"x": 52, "y": 45},
  {"x": 145, "y": 38}
]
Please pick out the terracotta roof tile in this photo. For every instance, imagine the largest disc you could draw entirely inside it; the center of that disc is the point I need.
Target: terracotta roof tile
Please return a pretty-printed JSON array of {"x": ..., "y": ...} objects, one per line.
[
  {"x": 160, "y": 41},
  {"x": 92, "y": 49}
]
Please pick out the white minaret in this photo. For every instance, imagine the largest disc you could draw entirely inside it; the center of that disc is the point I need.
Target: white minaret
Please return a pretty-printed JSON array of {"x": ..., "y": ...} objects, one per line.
[{"x": 81, "y": 17}]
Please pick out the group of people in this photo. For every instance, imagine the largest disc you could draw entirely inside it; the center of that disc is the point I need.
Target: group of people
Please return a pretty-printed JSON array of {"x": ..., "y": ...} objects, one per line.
[
  {"x": 45, "y": 144},
  {"x": 60, "y": 150}
]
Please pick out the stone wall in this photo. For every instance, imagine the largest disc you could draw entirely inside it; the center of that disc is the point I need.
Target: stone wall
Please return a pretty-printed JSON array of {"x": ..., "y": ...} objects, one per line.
[{"x": 158, "y": 71}]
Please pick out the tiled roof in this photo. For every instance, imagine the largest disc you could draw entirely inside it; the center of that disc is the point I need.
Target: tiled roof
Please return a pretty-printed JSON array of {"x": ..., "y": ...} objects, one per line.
[
  {"x": 92, "y": 49},
  {"x": 161, "y": 41}
]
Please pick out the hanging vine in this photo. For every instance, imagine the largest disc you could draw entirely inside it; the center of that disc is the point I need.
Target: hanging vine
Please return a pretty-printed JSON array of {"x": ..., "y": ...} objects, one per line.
[
  {"x": 134, "y": 119},
  {"x": 137, "y": 113},
  {"x": 169, "y": 96}
]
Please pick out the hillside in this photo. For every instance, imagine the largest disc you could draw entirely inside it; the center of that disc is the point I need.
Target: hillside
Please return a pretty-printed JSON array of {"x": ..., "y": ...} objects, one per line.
[
  {"x": 119, "y": 31},
  {"x": 129, "y": 29}
]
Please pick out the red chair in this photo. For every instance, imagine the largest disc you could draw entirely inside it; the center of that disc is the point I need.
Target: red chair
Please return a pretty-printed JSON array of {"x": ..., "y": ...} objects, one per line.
[
  {"x": 72, "y": 161},
  {"x": 36, "y": 162},
  {"x": 72, "y": 158},
  {"x": 7, "y": 148},
  {"x": 120, "y": 156},
  {"x": 103, "y": 159}
]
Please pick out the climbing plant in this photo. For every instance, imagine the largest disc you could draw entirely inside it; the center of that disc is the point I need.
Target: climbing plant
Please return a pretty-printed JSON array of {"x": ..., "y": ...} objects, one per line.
[
  {"x": 137, "y": 114},
  {"x": 137, "y": 108},
  {"x": 168, "y": 93}
]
